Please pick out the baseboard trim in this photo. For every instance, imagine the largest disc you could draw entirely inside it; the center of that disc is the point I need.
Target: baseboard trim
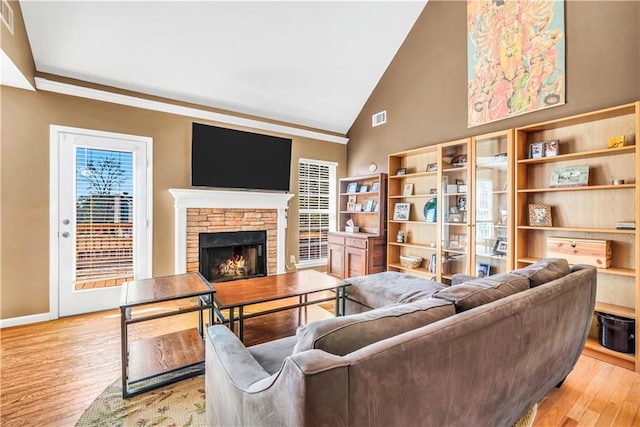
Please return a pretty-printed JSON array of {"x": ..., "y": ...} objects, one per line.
[{"x": 24, "y": 320}]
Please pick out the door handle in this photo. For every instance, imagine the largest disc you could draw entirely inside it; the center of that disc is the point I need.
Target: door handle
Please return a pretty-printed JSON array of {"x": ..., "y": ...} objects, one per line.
[{"x": 66, "y": 234}]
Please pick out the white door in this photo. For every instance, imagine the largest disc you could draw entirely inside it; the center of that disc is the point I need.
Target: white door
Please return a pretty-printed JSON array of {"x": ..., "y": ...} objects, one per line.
[{"x": 100, "y": 217}]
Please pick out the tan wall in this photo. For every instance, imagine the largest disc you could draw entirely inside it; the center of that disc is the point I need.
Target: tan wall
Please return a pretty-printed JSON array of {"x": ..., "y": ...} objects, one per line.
[
  {"x": 26, "y": 117},
  {"x": 16, "y": 45},
  {"x": 424, "y": 90}
]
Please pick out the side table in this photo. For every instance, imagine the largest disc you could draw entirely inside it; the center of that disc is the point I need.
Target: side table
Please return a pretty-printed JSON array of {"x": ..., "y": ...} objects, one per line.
[{"x": 149, "y": 363}]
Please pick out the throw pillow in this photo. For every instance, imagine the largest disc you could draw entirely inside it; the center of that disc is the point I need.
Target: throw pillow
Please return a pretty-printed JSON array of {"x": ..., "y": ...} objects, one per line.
[
  {"x": 343, "y": 335},
  {"x": 477, "y": 292},
  {"x": 544, "y": 271}
]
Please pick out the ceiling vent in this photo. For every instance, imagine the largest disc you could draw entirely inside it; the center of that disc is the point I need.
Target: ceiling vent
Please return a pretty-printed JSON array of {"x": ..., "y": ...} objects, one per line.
[
  {"x": 379, "y": 118},
  {"x": 6, "y": 13}
]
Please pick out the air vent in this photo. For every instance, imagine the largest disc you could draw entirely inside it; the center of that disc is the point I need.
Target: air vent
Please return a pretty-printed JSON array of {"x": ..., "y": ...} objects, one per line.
[
  {"x": 7, "y": 15},
  {"x": 379, "y": 118}
]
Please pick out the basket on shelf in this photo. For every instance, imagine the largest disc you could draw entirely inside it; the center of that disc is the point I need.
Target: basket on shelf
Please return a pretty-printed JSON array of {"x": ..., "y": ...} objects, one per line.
[{"x": 410, "y": 261}]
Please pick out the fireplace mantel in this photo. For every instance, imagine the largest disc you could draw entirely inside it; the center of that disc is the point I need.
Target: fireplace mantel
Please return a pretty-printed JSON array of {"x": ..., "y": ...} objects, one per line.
[{"x": 226, "y": 199}]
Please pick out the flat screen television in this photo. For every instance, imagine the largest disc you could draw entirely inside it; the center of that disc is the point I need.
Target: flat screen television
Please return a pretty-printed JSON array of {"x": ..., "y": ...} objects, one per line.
[{"x": 228, "y": 158}]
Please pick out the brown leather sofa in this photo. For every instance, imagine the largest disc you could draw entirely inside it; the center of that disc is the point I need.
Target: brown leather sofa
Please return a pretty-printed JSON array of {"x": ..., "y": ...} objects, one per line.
[{"x": 479, "y": 353}]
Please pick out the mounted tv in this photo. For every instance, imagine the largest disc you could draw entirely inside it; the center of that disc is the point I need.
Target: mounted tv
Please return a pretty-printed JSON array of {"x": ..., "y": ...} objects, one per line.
[{"x": 227, "y": 158}]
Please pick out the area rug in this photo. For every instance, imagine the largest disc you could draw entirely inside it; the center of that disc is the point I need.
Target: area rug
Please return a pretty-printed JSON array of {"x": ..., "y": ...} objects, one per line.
[
  {"x": 528, "y": 418},
  {"x": 178, "y": 404}
]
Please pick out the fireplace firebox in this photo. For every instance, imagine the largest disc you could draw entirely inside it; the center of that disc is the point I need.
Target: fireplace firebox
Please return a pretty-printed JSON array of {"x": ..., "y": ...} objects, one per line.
[{"x": 232, "y": 255}]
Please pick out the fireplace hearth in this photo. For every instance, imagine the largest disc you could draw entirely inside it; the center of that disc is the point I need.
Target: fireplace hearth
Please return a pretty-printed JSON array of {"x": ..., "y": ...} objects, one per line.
[{"x": 225, "y": 256}]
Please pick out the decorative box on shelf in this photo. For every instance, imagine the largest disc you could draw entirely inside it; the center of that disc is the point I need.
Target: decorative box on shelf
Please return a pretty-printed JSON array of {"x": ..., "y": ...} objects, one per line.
[
  {"x": 352, "y": 229},
  {"x": 580, "y": 251}
]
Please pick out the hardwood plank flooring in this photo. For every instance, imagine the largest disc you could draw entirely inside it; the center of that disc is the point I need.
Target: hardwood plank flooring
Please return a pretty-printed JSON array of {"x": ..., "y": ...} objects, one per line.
[{"x": 52, "y": 371}]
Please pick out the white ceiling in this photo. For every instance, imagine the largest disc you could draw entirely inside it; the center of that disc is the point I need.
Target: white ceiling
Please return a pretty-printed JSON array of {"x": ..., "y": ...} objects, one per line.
[{"x": 302, "y": 62}]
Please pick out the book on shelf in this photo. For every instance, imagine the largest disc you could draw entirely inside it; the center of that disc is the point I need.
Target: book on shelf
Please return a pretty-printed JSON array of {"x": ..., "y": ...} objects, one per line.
[{"x": 626, "y": 225}]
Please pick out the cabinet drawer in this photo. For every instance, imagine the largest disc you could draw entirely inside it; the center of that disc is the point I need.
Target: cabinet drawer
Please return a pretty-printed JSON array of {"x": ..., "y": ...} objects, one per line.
[
  {"x": 338, "y": 240},
  {"x": 356, "y": 243}
]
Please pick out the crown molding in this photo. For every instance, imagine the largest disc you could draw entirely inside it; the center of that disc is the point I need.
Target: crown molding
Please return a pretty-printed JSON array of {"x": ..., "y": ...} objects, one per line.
[{"x": 147, "y": 104}]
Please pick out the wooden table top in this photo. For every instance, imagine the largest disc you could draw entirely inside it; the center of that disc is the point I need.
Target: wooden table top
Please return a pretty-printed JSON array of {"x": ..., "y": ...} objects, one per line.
[
  {"x": 269, "y": 288},
  {"x": 165, "y": 288}
]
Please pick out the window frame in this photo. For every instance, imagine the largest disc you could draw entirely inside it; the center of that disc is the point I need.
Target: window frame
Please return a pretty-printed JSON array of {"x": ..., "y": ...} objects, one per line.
[{"x": 331, "y": 210}]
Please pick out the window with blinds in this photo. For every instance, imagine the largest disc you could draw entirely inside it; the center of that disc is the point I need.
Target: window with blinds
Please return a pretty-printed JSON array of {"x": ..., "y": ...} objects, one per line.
[
  {"x": 104, "y": 216},
  {"x": 317, "y": 209}
]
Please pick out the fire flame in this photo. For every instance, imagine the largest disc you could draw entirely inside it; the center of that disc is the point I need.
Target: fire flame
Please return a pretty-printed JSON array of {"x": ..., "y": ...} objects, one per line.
[{"x": 233, "y": 267}]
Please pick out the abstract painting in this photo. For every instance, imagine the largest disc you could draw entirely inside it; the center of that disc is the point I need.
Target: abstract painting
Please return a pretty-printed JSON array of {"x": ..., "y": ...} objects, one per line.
[{"x": 516, "y": 58}]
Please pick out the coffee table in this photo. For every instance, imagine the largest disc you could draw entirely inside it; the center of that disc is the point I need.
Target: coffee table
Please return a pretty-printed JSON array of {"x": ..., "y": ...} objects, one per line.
[
  {"x": 152, "y": 362},
  {"x": 236, "y": 295}
]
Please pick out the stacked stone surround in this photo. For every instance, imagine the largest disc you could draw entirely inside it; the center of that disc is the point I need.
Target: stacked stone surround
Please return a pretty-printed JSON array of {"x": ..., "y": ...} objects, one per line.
[{"x": 214, "y": 220}]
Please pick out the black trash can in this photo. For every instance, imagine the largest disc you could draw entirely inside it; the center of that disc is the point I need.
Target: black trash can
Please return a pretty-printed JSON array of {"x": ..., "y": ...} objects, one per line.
[{"x": 617, "y": 333}]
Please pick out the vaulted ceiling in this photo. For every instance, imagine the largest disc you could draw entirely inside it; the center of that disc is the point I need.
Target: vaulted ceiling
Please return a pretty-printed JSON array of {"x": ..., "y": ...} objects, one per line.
[{"x": 308, "y": 63}]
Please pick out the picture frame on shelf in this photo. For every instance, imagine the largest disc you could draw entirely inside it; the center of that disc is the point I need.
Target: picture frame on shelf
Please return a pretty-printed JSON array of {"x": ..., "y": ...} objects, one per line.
[
  {"x": 363, "y": 189},
  {"x": 401, "y": 171},
  {"x": 574, "y": 176},
  {"x": 351, "y": 203},
  {"x": 375, "y": 186},
  {"x": 357, "y": 207},
  {"x": 455, "y": 217},
  {"x": 408, "y": 190},
  {"x": 401, "y": 211},
  {"x": 432, "y": 167},
  {"x": 536, "y": 150},
  {"x": 504, "y": 216},
  {"x": 540, "y": 215},
  {"x": 462, "y": 203},
  {"x": 551, "y": 148},
  {"x": 433, "y": 191},
  {"x": 483, "y": 270},
  {"x": 352, "y": 187},
  {"x": 368, "y": 205},
  {"x": 501, "y": 246}
]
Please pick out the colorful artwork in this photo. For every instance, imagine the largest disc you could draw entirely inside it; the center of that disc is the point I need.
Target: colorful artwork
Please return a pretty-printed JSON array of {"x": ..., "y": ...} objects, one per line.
[{"x": 516, "y": 58}]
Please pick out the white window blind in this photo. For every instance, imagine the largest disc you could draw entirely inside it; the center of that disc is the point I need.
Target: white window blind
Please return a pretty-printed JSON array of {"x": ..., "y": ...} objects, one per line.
[
  {"x": 317, "y": 209},
  {"x": 104, "y": 215}
]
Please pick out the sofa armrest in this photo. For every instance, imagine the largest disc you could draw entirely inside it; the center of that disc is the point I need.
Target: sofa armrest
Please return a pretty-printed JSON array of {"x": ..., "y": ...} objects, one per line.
[{"x": 238, "y": 364}]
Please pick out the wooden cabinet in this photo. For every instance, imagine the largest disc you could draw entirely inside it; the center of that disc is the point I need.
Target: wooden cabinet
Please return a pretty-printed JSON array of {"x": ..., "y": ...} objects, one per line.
[
  {"x": 460, "y": 215},
  {"x": 352, "y": 254},
  {"x": 455, "y": 178},
  {"x": 492, "y": 202},
  {"x": 583, "y": 206},
  {"x": 363, "y": 200}
]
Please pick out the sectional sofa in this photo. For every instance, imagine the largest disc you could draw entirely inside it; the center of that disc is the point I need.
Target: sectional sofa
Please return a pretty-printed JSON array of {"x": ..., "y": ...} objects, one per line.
[{"x": 414, "y": 352}]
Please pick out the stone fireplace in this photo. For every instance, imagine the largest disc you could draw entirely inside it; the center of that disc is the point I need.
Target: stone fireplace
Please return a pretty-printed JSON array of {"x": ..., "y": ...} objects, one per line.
[{"x": 199, "y": 211}]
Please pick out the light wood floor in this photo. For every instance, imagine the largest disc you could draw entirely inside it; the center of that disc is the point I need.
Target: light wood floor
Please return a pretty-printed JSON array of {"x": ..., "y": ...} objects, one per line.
[{"x": 51, "y": 371}]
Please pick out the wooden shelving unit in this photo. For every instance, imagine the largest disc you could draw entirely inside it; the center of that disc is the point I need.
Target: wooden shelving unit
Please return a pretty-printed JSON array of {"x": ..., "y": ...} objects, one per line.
[
  {"x": 363, "y": 200},
  {"x": 587, "y": 212},
  {"x": 414, "y": 179}
]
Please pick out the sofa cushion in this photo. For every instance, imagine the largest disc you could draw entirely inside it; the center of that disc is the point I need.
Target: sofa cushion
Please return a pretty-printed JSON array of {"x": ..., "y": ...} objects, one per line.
[
  {"x": 477, "y": 292},
  {"x": 390, "y": 287},
  {"x": 271, "y": 354},
  {"x": 343, "y": 335},
  {"x": 545, "y": 270}
]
